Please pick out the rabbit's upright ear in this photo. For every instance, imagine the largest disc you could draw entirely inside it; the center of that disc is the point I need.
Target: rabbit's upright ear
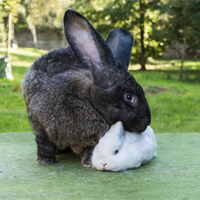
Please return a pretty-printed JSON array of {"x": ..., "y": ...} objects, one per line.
[
  {"x": 120, "y": 42},
  {"x": 86, "y": 43},
  {"x": 117, "y": 129}
]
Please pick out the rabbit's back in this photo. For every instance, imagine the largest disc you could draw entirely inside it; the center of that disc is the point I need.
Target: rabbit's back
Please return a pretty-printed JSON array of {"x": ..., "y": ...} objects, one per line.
[
  {"x": 56, "y": 91},
  {"x": 139, "y": 148},
  {"x": 57, "y": 61}
]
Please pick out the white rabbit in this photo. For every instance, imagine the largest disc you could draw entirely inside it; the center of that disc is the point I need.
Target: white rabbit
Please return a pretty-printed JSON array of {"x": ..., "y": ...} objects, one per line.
[{"x": 120, "y": 150}]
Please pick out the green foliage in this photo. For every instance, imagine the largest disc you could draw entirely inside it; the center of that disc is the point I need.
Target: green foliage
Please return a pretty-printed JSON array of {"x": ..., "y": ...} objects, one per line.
[
  {"x": 174, "y": 14},
  {"x": 3, "y": 16},
  {"x": 21, "y": 25},
  {"x": 6, "y": 7},
  {"x": 174, "y": 105},
  {"x": 2, "y": 33},
  {"x": 45, "y": 14},
  {"x": 11, "y": 6},
  {"x": 154, "y": 24}
]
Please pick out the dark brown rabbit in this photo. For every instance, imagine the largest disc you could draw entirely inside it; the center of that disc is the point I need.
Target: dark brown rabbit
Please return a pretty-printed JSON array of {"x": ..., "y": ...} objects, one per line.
[{"x": 74, "y": 94}]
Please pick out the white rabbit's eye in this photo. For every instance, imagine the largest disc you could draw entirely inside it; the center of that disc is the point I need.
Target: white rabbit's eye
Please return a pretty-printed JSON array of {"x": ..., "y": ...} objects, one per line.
[
  {"x": 116, "y": 152},
  {"x": 130, "y": 98}
]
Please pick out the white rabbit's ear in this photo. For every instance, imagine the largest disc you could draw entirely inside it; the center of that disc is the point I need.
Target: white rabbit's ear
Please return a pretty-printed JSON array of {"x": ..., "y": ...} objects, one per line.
[
  {"x": 86, "y": 43},
  {"x": 117, "y": 129},
  {"x": 120, "y": 42}
]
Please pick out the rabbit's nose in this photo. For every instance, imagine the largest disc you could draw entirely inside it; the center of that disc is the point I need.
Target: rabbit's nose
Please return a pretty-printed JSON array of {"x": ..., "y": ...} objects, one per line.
[{"x": 104, "y": 164}]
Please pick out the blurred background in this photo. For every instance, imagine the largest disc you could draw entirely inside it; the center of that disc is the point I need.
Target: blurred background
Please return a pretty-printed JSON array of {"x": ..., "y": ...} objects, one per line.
[{"x": 165, "y": 58}]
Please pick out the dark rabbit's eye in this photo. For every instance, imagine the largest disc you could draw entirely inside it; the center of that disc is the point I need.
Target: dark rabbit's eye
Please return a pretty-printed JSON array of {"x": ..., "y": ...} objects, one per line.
[
  {"x": 116, "y": 152},
  {"x": 130, "y": 98}
]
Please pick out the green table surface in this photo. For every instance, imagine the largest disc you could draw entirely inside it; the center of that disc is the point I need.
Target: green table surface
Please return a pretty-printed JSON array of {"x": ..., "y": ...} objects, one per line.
[{"x": 173, "y": 174}]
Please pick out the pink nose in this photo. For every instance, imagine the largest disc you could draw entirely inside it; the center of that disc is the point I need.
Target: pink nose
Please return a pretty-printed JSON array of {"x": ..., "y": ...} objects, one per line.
[{"x": 104, "y": 164}]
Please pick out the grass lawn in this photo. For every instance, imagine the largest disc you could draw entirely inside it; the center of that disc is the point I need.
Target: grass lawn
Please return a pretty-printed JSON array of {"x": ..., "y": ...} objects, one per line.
[
  {"x": 13, "y": 116},
  {"x": 173, "y": 65},
  {"x": 174, "y": 105}
]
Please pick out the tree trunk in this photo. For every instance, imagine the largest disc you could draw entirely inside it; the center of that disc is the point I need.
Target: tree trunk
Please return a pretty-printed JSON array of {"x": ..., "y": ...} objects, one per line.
[
  {"x": 34, "y": 34},
  {"x": 183, "y": 48},
  {"x": 142, "y": 53},
  {"x": 9, "y": 34},
  {"x": 182, "y": 59}
]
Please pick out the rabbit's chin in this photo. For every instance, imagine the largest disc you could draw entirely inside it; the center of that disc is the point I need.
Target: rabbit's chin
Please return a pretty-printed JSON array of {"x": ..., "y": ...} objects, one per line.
[{"x": 141, "y": 126}]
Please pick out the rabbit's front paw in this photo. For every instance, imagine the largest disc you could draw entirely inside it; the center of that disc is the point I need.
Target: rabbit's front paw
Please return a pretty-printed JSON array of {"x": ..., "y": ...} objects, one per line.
[
  {"x": 86, "y": 163},
  {"x": 86, "y": 155},
  {"x": 46, "y": 160}
]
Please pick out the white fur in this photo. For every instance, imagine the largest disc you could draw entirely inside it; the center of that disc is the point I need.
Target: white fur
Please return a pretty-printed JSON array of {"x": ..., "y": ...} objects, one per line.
[{"x": 133, "y": 149}]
